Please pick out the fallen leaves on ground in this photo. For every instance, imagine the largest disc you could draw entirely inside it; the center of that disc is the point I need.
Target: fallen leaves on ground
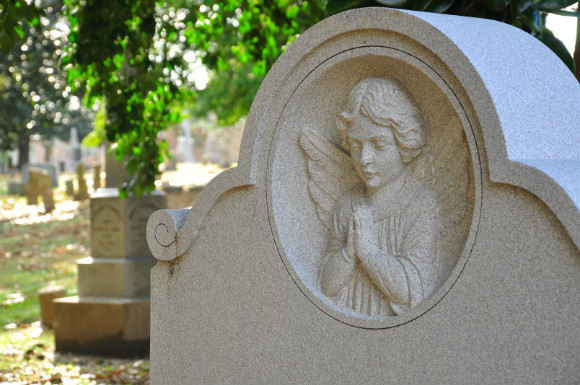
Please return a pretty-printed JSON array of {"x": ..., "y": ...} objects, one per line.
[
  {"x": 190, "y": 175},
  {"x": 26, "y": 358},
  {"x": 18, "y": 212},
  {"x": 38, "y": 249}
]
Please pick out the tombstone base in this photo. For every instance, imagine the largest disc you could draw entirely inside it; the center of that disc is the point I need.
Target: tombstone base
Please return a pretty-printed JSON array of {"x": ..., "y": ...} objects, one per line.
[
  {"x": 46, "y": 297},
  {"x": 102, "y": 326},
  {"x": 114, "y": 277}
]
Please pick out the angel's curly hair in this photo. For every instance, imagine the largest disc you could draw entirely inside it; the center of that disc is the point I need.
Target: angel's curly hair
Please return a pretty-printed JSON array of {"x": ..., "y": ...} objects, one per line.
[{"x": 386, "y": 103}]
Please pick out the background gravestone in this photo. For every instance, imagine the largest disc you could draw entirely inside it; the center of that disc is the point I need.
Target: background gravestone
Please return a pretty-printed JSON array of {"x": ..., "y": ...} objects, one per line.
[
  {"x": 110, "y": 315},
  {"x": 46, "y": 297},
  {"x": 239, "y": 293},
  {"x": 116, "y": 175},
  {"x": 50, "y": 169},
  {"x": 83, "y": 190},
  {"x": 16, "y": 188},
  {"x": 75, "y": 146},
  {"x": 69, "y": 187},
  {"x": 39, "y": 184},
  {"x": 97, "y": 177}
]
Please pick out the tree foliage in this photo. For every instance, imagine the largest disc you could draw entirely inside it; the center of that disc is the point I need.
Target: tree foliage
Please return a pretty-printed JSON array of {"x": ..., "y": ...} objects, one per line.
[
  {"x": 528, "y": 15},
  {"x": 144, "y": 59},
  {"x": 34, "y": 95},
  {"x": 112, "y": 57},
  {"x": 141, "y": 58},
  {"x": 239, "y": 41},
  {"x": 15, "y": 16}
]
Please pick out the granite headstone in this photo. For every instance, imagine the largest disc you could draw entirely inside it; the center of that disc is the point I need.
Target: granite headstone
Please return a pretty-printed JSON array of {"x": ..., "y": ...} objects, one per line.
[
  {"x": 97, "y": 177},
  {"x": 405, "y": 210},
  {"x": 83, "y": 190},
  {"x": 39, "y": 184},
  {"x": 49, "y": 168},
  {"x": 110, "y": 315}
]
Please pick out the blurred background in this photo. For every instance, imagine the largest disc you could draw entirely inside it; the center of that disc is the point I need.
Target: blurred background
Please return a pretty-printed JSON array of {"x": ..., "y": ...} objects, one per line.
[{"x": 113, "y": 101}]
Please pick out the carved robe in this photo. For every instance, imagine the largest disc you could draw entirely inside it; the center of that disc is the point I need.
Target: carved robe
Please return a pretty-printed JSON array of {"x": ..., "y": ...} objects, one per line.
[{"x": 404, "y": 273}]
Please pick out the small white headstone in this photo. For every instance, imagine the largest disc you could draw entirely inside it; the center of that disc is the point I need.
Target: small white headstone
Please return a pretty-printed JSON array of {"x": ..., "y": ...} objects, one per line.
[
  {"x": 185, "y": 143},
  {"x": 75, "y": 146}
]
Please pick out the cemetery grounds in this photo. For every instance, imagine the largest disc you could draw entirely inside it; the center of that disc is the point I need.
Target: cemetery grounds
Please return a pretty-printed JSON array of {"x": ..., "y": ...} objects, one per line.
[{"x": 39, "y": 250}]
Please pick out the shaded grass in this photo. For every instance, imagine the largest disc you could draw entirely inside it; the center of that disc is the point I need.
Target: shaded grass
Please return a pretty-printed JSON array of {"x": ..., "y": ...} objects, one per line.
[
  {"x": 35, "y": 256},
  {"x": 27, "y": 357}
]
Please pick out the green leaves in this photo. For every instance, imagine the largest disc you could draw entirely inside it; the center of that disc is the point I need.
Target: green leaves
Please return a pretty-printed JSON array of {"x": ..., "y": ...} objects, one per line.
[
  {"x": 496, "y": 5},
  {"x": 553, "y": 5},
  {"x": 437, "y": 6},
  {"x": 35, "y": 97},
  {"x": 558, "y": 48},
  {"x": 120, "y": 60},
  {"x": 14, "y": 17},
  {"x": 336, "y": 6},
  {"x": 239, "y": 40}
]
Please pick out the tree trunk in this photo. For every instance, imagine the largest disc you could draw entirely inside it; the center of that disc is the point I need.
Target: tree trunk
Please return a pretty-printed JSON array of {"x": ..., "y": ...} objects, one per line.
[
  {"x": 4, "y": 166},
  {"x": 23, "y": 149},
  {"x": 577, "y": 48}
]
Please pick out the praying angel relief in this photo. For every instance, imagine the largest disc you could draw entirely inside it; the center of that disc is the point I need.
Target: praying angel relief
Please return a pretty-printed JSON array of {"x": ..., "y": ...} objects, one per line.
[{"x": 382, "y": 257}]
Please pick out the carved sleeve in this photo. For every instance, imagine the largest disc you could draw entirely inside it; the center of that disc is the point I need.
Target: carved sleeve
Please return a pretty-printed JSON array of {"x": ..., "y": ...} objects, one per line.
[{"x": 338, "y": 267}]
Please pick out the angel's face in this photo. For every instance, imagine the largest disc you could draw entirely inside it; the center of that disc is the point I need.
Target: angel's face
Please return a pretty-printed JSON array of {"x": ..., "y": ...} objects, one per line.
[{"x": 374, "y": 152}]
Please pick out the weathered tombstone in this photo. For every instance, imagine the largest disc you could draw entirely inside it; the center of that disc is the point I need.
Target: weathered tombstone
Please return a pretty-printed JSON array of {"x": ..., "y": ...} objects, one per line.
[
  {"x": 185, "y": 144},
  {"x": 50, "y": 169},
  {"x": 115, "y": 174},
  {"x": 110, "y": 315},
  {"x": 46, "y": 296},
  {"x": 4, "y": 162},
  {"x": 405, "y": 210},
  {"x": 16, "y": 188},
  {"x": 70, "y": 187},
  {"x": 75, "y": 146},
  {"x": 97, "y": 177},
  {"x": 39, "y": 184},
  {"x": 83, "y": 190}
]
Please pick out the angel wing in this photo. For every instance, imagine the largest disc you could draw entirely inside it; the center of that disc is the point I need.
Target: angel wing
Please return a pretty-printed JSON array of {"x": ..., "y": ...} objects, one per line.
[
  {"x": 330, "y": 173},
  {"x": 445, "y": 169}
]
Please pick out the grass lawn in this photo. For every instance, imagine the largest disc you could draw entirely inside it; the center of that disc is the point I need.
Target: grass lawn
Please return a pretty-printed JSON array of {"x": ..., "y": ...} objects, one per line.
[
  {"x": 38, "y": 250},
  {"x": 35, "y": 255}
]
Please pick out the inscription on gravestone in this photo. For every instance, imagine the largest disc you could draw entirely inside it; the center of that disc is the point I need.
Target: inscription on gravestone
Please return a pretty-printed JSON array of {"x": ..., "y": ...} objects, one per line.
[
  {"x": 138, "y": 217},
  {"x": 107, "y": 231}
]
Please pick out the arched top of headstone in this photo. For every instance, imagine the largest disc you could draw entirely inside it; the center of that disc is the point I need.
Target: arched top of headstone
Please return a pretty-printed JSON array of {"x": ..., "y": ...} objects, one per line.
[{"x": 463, "y": 103}]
